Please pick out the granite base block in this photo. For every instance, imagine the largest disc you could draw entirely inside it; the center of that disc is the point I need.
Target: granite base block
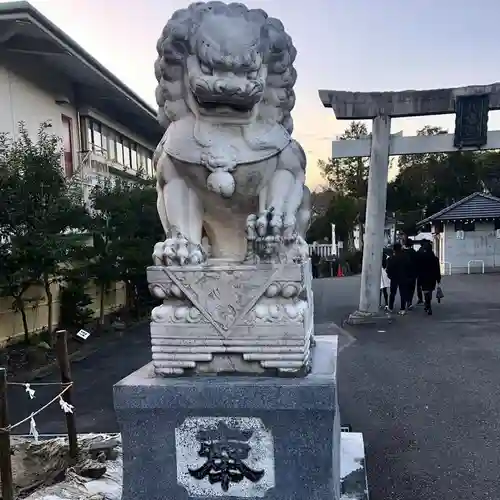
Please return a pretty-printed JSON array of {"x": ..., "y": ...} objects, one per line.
[{"x": 231, "y": 436}]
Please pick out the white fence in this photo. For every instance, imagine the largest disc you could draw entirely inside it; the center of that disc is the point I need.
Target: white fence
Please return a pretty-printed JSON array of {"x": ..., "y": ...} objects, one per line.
[{"x": 323, "y": 250}]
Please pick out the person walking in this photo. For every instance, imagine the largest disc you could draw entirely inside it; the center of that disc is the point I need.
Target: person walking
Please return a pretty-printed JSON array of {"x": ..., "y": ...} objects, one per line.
[
  {"x": 413, "y": 271},
  {"x": 399, "y": 272},
  {"x": 420, "y": 251},
  {"x": 385, "y": 283},
  {"x": 429, "y": 275}
]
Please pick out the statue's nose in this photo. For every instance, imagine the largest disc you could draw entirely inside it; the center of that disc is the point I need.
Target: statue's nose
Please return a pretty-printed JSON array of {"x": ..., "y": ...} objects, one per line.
[{"x": 228, "y": 87}]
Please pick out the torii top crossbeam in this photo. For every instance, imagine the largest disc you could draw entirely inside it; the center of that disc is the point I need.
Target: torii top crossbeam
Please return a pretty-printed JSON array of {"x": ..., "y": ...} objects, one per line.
[{"x": 404, "y": 103}]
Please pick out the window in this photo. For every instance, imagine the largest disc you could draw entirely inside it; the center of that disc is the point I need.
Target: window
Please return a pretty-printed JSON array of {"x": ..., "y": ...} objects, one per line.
[
  {"x": 112, "y": 145},
  {"x": 96, "y": 137},
  {"x": 133, "y": 155},
  {"x": 104, "y": 139},
  {"x": 126, "y": 152},
  {"x": 90, "y": 138},
  {"x": 141, "y": 158},
  {"x": 107, "y": 142},
  {"x": 497, "y": 224},
  {"x": 466, "y": 226},
  {"x": 149, "y": 163},
  {"x": 119, "y": 150},
  {"x": 68, "y": 145}
]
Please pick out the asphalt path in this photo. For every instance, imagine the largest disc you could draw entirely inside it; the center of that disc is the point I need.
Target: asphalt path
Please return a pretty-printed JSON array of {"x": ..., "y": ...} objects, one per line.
[{"x": 425, "y": 391}]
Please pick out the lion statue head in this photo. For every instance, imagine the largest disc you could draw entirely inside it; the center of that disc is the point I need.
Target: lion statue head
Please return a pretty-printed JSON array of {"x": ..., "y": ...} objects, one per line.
[{"x": 226, "y": 63}]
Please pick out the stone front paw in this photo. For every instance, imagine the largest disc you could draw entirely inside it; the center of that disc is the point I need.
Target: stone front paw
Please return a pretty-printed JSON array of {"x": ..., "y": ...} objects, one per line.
[
  {"x": 289, "y": 232},
  {"x": 269, "y": 223},
  {"x": 178, "y": 251},
  {"x": 276, "y": 224}
]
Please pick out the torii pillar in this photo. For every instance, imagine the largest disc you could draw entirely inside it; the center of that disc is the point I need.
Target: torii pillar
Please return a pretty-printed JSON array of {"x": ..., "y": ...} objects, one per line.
[
  {"x": 380, "y": 107},
  {"x": 344, "y": 108}
]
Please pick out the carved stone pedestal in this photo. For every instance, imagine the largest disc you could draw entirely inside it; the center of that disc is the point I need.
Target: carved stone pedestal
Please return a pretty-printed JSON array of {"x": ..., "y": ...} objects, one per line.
[
  {"x": 239, "y": 437},
  {"x": 224, "y": 318}
]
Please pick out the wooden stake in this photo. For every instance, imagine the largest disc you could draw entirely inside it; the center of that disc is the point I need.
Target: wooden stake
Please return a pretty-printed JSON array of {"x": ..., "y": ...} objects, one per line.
[
  {"x": 63, "y": 360},
  {"x": 5, "y": 460}
]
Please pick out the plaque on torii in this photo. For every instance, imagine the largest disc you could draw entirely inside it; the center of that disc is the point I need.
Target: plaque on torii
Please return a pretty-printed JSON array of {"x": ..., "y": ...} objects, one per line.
[
  {"x": 471, "y": 122},
  {"x": 470, "y": 106}
]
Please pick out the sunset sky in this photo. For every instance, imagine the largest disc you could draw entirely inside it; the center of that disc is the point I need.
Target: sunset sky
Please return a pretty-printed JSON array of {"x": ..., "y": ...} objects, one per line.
[{"x": 342, "y": 44}]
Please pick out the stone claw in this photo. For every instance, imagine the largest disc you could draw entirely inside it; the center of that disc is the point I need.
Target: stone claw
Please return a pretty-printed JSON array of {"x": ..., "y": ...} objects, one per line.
[
  {"x": 289, "y": 232},
  {"x": 178, "y": 251},
  {"x": 261, "y": 224},
  {"x": 276, "y": 224}
]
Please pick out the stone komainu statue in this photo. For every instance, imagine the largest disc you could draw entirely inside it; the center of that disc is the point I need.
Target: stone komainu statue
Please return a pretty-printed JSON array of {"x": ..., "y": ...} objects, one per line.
[
  {"x": 226, "y": 164},
  {"x": 228, "y": 168}
]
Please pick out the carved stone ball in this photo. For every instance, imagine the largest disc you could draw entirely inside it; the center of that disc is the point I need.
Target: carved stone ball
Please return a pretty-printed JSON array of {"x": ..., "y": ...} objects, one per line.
[
  {"x": 274, "y": 311},
  {"x": 181, "y": 312},
  {"x": 261, "y": 311},
  {"x": 291, "y": 310},
  {"x": 160, "y": 292},
  {"x": 176, "y": 291},
  {"x": 289, "y": 291},
  {"x": 161, "y": 313},
  {"x": 194, "y": 314},
  {"x": 221, "y": 183},
  {"x": 272, "y": 290}
]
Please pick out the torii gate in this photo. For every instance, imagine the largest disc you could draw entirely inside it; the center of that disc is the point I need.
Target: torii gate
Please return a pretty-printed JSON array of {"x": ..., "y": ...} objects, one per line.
[{"x": 471, "y": 106}]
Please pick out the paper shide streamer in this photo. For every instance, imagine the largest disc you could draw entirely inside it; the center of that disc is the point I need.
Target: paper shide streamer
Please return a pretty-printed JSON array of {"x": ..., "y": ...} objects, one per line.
[
  {"x": 65, "y": 407},
  {"x": 29, "y": 390}
]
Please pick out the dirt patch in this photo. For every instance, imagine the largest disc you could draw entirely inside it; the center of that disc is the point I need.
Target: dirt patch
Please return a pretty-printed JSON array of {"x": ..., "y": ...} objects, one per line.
[{"x": 36, "y": 465}]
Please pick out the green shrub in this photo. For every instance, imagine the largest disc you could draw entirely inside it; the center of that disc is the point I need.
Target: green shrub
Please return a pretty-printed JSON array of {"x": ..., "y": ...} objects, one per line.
[{"x": 74, "y": 306}]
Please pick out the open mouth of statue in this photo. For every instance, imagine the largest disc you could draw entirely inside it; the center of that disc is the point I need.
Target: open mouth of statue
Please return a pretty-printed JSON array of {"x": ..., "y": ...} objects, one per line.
[{"x": 215, "y": 106}]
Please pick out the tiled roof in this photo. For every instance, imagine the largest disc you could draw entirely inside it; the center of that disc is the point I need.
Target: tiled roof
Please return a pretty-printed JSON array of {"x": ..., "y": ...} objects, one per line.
[{"x": 474, "y": 206}]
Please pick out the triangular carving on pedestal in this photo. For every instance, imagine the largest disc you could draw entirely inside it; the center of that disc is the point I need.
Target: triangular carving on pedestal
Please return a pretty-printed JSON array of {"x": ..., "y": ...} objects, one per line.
[{"x": 223, "y": 296}]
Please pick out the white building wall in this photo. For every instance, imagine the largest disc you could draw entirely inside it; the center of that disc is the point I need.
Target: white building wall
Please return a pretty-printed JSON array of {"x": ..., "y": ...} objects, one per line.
[
  {"x": 481, "y": 245},
  {"x": 32, "y": 100},
  {"x": 22, "y": 100}
]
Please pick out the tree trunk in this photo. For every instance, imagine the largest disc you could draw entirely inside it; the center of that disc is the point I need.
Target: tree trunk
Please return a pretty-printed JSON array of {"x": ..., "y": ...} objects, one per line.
[
  {"x": 130, "y": 300},
  {"x": 102, "y": 289},
  {"x": 22, "y": 310},
  {"x": 50, "y": 301},
  {"x": 361, "y": 236}
]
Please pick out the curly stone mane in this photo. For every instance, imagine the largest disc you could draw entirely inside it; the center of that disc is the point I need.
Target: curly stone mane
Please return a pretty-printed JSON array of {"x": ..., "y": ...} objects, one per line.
[{"x": 178, "y": 40}]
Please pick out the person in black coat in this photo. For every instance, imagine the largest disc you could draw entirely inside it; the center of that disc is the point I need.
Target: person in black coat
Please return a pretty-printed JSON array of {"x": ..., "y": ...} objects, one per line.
[
  {"x": 429, "y": 274},
  {"x": 420, "y": 251},
  {"x": 414, "y": 263},
  {"x": 399, "y": 271}
]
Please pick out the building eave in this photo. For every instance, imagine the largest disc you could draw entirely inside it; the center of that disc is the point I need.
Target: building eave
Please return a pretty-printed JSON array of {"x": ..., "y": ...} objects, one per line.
[
  {"x": 441, "y": 215},
  {"x": 24, "y": 11}
]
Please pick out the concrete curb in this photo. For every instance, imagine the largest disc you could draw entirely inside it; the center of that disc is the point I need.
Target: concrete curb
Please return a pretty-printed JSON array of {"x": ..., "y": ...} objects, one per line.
[{"x": 335, "y": 329}]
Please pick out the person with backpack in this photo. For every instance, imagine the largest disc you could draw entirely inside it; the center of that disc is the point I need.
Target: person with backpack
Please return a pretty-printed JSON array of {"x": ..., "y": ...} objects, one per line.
[{"x": 429, "y": 274}]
